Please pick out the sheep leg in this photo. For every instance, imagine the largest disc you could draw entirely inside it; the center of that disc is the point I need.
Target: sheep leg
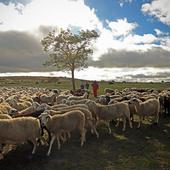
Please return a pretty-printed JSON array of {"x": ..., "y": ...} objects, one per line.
[
  {"x": 117, "y": 124},
  {"x": 92, "y": 131},
  {"x": 83, "y": 136},
  {"x": 95, "y": 131},
  {"x": 58, "y": 141},
  {"x": 108, "y": 125},
  {"x": 1, "y": 152},
  {"x": 51, "y": 143},
  {"x": 130, "y": 122},
  {"x": 124, "y": 124},
  {"x": 140, "y": 120},
  {"x": 69, "y": 135},
  {"x": 157, "y": 118},
  {"x": 35, "y": 146},
  {"x": 63, "y": 136}
]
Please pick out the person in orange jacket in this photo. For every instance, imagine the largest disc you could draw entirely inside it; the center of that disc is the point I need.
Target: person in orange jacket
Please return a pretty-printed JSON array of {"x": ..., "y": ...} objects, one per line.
[{"x": 95, "y": 87}]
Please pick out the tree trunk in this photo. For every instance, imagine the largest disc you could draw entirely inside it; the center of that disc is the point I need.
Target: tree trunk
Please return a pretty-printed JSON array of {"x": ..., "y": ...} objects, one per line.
[{"x": 73, "y": 80}]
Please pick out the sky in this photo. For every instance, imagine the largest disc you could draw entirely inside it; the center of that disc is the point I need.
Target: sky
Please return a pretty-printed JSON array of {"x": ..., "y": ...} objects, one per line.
[{"x": 133, "y": 33}]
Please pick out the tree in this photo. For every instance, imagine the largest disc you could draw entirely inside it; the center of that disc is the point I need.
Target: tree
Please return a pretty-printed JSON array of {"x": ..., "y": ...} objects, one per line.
[{"x": 69, "y": 51}]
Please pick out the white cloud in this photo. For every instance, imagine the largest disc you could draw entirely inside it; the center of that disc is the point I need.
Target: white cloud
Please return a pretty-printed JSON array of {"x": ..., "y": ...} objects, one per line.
[
  {"x": 139, "y": 39},
  {"x": 121, "y": 2},
  {"x": 121, "y": 27},
  {"x": 48, "y": 13},
  {"x": 158, "y": 32},
  {"x": 40, "y": 16},
  {"x": 159, "y": 9}
]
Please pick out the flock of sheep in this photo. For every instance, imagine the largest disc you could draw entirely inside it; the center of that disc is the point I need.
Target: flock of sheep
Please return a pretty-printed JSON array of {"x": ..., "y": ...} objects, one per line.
[{"x": 27, "y": 113}]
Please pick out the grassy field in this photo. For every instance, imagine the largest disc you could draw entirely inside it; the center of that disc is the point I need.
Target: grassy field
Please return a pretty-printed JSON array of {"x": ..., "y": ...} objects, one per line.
[
  {"x": 65, "y": 83},
  {"x": 147, "y": 148}
]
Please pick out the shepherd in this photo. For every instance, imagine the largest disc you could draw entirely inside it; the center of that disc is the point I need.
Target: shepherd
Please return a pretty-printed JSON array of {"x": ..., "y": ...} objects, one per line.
[{"x": 95, "y": 87}]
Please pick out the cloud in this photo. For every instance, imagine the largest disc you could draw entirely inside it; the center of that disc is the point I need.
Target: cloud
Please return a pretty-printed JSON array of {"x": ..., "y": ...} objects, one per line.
[
  {"x": 118, "y": 45},
  {"x": 130, "y": 43},
  {"x": 122, "y": 2},
  {"x": 1, "y": 22},
  {"x": 138, "y": 39},
  {"x": 20, "y": 52},
  {"x": 158, "y": 32},
  {"x": 155, "y": 57},
  {"x": 121, "y": 27},
  {"x": 7, "y": 2},
  {"x": 158, "y": 9},
  {"x": 48, "y": 13}
]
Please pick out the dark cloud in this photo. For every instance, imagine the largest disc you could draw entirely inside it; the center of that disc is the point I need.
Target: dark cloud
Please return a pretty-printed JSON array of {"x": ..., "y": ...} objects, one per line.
[
  {"x": 161, "y": 76},
  {"x": 20, "y": 52},
  {"x": 44, "y": 30},
  {"x": 155, "y": 57}
]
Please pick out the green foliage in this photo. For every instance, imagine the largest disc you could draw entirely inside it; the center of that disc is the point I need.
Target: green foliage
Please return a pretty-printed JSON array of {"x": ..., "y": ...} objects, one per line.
[{"x": 68, "y": 51}]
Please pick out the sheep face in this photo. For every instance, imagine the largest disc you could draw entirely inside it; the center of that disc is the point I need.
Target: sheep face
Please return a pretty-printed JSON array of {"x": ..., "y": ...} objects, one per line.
[
  {"x": 44, "y": 118},
  {"x": 13, "y": 111}
]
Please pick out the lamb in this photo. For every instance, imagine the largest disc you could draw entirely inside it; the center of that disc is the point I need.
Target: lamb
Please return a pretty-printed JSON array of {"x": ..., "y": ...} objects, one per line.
[
  {"x": 68, "y": 122},
  {"x": 27, "y": 111},
  {"x": 48, "y": 99},
  {"x": 19, "y": 105},
  {"x": 89, "y": 120},
  {"x": 19, "y": 130},
  {"x": 5, "y": 108},
  {"x": 150, "y": 107},
  {"x": 108, "y": 112}
]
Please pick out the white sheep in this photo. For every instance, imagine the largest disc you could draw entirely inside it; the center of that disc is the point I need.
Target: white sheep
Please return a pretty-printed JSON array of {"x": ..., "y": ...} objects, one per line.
[
  {"x": 19, "y": 105},
  {"x": 19, "y": 130},
  {"x": 5, "y": 108},
  {"x": 107, "y": 113},
  {"x": 28, "y": 110},
  {"x": 147, "y": 108},
  {"x": 89, "y": 120},
  {"x": 65, "y": 122},
  {"x": 48, "y": 99}
]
